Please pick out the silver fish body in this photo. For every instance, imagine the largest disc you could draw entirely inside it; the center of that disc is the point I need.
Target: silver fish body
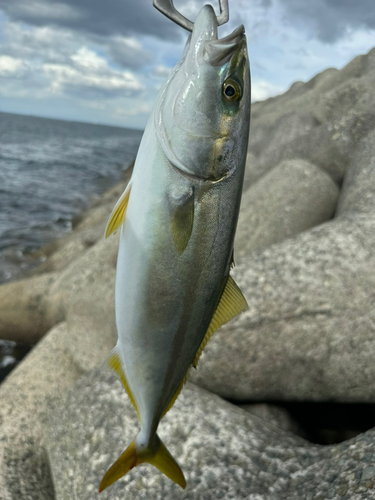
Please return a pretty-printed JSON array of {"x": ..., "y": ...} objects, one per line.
[{"x": 176, "y": 241}]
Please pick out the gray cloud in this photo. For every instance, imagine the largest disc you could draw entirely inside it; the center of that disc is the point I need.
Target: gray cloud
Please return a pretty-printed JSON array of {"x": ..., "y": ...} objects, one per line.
[
  {"x": 57, "y": 46},
  {"x": 109, "y": 17},
  {"x": 330, "y": 19},
  {"x": 127, "y": 53}
]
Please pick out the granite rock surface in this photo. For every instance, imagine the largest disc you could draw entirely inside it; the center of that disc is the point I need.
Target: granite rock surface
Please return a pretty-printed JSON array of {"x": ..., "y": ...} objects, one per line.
[{"x": 225, "y": 452}]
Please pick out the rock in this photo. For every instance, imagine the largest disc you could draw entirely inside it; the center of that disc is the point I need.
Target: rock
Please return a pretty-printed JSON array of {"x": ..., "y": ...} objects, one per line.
[
  {"x": 60, "y": 358},
  {"x": 358, "y": 193},
  {"x": 224, "y": 451},
  {"x": 321, "y": 121},
  {"x": 291, "y": 198},
  {"x": 274, "y": 415},
  {"x": 30, "y": 307},
  {"x": 91, "y": 323},
  {"x": 25, "y": 395},
  {"x": 71, "y": 248},
  {"x": 309, "y": 332},
  {"x": 23, "y": 307},
  {"x": 317, "y": 146}
]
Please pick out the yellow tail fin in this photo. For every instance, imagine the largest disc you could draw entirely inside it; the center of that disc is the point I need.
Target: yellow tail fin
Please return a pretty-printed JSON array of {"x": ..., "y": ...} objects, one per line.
[{"x": 161, "y": 458}]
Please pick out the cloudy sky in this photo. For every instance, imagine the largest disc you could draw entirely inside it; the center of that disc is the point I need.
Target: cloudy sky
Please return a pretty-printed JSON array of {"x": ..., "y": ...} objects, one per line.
[{"x": 104, "y": 60}]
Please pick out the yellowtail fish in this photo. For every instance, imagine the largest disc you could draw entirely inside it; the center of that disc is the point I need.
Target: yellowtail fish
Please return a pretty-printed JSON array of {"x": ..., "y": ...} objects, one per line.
[{"x": 178, "y": 217}]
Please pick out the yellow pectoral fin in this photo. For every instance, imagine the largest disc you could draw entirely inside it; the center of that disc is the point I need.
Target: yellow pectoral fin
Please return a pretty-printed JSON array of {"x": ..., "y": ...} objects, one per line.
[
  {"x": 182, "y": 220},
  {"x": 231, "y": 304},
  {"x": 118, "y": 213},
  {"x": 114, "y": 362}
]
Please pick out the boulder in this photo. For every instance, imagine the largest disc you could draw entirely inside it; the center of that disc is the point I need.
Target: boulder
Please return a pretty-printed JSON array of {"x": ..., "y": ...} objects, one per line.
[
  {"x": 291, "y": 198},
  {"x": 224, "y": 451},
  {"x": 23, "y": 306},
  {"x": 30, "y": 307},
  {"x": 25, "y": 395},
  {"x": 322, "y": 120}
]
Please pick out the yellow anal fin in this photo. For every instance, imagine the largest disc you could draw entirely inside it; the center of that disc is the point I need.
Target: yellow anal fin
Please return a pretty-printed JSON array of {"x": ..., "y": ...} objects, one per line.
[
  {"x": 231, "y": 304},
  {"x": 118, "y": 213},
  {"x": 159, "y": 457},
  {"x": 182, "y": 221},
  {"x": 114, "y": 363}
]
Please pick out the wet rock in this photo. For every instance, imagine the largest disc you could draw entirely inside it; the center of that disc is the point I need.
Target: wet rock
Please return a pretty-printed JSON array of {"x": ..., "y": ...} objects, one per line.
[
  {"x": 293, "y": 197},
  {"x": 224, "y": 451}
]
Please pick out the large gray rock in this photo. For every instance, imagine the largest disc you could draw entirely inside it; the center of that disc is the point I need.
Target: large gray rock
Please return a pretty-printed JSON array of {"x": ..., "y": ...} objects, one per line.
[
  {"x": 23, "y": 309},
  {"x": 291, "y": 198},
  {"x": 322, "y": 120},
  {"x": 25, "y": 397},
  {"x": 225, "y": 452},
  {"x": 357, "y": 195},
  {"x": 30, "y": 307}
]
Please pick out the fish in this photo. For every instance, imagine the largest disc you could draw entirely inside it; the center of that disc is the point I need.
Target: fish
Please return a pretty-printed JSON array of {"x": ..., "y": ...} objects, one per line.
[{"x": 177, "y": 219}]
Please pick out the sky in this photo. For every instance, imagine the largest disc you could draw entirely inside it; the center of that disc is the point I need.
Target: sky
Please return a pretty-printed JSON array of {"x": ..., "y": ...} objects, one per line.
[{"x": 104, "y": 61}]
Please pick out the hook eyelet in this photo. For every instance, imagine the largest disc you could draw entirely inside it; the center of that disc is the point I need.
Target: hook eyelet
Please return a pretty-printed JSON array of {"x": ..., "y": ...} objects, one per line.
[{"x": 167, "y": 8}]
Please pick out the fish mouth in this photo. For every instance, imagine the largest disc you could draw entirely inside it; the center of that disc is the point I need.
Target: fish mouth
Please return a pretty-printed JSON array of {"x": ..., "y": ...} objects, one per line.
[{"x": 220, "y": 50}]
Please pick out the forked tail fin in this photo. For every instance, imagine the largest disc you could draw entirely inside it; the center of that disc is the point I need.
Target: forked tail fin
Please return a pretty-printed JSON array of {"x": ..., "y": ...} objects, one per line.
[{"x": 159, "y": 457}]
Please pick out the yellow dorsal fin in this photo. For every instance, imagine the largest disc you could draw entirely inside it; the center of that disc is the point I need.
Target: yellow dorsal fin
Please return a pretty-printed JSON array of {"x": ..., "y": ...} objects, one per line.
[
  {"x": 118, "y": 213},
  {"x": 232, "y": 302},
  {"x": 114, "y": 363}
]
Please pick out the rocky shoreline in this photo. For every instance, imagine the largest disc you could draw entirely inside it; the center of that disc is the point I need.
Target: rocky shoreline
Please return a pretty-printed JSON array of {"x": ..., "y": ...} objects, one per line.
[{"x": 304, "y": 257}]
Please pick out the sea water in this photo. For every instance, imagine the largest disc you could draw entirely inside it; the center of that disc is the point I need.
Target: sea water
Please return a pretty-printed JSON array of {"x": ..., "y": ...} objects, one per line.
[{"x": 49, "y": 169}]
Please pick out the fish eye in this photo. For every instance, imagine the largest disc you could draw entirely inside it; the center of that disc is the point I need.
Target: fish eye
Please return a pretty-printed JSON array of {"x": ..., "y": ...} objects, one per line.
[{"x": 231, "y": 90}]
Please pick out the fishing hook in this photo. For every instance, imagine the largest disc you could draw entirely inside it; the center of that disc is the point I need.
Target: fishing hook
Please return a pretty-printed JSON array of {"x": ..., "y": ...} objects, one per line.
[{"x": 167, "y": 8}]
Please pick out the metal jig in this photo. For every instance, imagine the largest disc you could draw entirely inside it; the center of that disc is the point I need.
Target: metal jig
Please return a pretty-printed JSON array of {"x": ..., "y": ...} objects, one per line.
[{"x": 167, "y": 8}]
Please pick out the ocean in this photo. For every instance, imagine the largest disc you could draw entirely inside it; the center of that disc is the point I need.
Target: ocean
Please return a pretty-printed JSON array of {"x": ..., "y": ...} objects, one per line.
[{"x": 49, "y": 170}]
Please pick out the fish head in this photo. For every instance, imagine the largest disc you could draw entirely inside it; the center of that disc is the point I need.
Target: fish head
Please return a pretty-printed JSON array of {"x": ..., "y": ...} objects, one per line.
[{"x": 203, "y": 111}]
